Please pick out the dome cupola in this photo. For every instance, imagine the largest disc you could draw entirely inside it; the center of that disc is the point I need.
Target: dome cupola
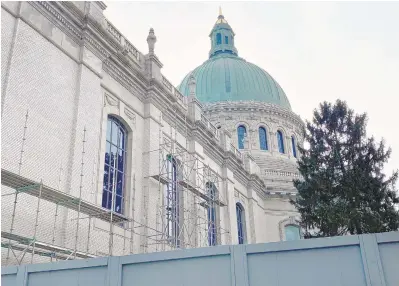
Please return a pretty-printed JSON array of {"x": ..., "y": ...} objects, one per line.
[
  {"x": 222, "y": 38},
  {"x": 227, "y": 77}
]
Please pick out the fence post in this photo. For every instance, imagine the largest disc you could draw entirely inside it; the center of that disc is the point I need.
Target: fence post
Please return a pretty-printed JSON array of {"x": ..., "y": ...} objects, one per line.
[
  {"x": 114, "y": 271},
  {"x": 22, "y": 275},
  {"x": 371, "y": 260},
  {"x": 239, "y": 256}
]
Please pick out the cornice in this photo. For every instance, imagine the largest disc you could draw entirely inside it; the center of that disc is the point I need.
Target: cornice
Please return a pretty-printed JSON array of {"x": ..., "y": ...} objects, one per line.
[
  {"x": 65, "y": 21},
  {"x": 253, "y": 106},
  {"x": 124, "y": 79}
]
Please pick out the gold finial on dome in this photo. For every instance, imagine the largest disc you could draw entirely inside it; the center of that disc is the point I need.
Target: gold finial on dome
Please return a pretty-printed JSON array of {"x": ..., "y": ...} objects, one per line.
[{"x": 220, "y": 17}]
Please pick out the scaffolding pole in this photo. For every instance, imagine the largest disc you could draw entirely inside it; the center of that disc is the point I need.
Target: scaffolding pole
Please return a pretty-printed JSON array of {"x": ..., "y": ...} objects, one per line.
[{"x": 19, "y": 172}]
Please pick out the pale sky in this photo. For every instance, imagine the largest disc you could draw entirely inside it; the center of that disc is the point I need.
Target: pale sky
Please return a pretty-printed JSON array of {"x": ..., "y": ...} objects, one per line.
[{"x": 316, "y": 51}]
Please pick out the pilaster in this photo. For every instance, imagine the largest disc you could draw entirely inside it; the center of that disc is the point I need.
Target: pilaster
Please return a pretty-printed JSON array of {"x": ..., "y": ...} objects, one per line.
[{"x": 230, "y": 213}]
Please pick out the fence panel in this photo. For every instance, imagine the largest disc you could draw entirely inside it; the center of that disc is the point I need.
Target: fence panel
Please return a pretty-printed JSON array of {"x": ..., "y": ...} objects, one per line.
[{"x": 358, "y": 260}]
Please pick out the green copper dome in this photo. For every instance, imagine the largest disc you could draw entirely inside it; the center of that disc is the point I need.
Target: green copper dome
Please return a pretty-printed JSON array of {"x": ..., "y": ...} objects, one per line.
[{"x": 227, "y": 77}]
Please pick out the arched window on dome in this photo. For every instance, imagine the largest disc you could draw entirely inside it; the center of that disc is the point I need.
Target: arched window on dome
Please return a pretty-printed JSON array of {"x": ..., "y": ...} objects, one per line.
[
  {"x": 280, "y": 141},
  {"x": 211, "y": 211},
  {"x": 292, "y": 232},
  {"x": 293, "y": 146},
  {"x": 218, "y": 39},
  {"x": 226, "y": 40},
  {"x": 262, "y": 138},
  {"x": 240, "y": 223},
  {"x": 241, "y": 133},
  {"x": 115, "y": 166}
]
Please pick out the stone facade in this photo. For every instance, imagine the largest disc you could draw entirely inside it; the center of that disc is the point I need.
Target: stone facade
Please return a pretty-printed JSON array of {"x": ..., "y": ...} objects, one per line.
[
  {"x": 65, "y": 68},
  {"x": 276, "y": 169}
]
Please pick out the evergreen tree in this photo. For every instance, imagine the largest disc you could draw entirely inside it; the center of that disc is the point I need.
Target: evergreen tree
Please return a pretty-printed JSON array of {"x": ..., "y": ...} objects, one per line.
[{"x": 343, "y": 189}]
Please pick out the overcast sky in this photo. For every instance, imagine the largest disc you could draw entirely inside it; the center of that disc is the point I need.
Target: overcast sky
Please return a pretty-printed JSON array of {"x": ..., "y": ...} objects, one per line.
[{"x": 315, "y": 50}]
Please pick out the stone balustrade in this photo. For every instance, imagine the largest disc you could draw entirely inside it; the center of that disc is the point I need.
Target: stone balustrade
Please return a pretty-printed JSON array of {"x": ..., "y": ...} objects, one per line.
[
  {"x": 129, "y": 48},
  {"x": 235, "y": 151},
  {"x": 271, "y": 172}
]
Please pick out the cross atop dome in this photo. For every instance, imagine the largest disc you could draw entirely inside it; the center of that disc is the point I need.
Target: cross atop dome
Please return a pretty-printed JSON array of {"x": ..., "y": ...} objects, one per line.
[{"x": 222, "y": 38}]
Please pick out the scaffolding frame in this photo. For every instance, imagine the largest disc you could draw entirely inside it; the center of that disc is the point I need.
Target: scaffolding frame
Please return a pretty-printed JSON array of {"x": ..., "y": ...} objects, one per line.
[
  {"x": 193, "y": 202},
  {"x": 193, "y": 226}
]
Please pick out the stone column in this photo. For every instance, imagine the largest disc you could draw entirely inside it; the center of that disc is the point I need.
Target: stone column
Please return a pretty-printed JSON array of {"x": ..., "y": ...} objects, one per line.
[
  {"x": 229, "y": 222},
  {"x": 273, "y": 141},
  {"x": 254, "y": 224},
  {"x": 288, "y": 147}
]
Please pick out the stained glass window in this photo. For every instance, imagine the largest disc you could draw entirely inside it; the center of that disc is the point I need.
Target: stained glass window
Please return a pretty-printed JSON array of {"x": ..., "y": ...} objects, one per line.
[
  {"x": 280, "y": 141},
  {"x": 171, "y": 202},
  {"x": 114, "y": 166},
  {"x": 212, "y": 231},
  {"x": 240, "y": 223},
  {"x": 262, "y": 138},
  {"x": 241, "y": 132}
]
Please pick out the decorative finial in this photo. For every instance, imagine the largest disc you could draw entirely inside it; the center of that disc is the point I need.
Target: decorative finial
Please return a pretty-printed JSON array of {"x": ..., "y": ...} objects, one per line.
[
  {"x": 220, "y": 11},
  {"x": 151, "y": 40}
]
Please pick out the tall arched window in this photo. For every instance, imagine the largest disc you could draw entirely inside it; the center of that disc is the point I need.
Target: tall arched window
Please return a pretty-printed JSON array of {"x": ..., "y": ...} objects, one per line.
[
  {"x": 240, "y": 223},
  {"x": 218, "y": 39},
  {"x": 212, "y": 230},
  {"x": 241, "y": 132},
  {"x": 226, "y": 40},
  {"x": 114, "y": 166},
  {"x": 262, "y": 138},
  {"x": 171, "y": 202},
  {"x": 280, "y": 141},
  {"x": 293, "y": 146},
  {"x": 292, "y": 232}
]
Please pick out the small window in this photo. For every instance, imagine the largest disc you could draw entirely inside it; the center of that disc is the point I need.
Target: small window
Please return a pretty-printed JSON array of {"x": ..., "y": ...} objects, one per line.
[
  {"x": 280, "y": 141},
  {"x": 262, "y": 138},
  {"x": 240, "y": 223},
  {"x": 292, "y": 232},
  {"x": 241, "y": 132},
  {"x": 218, "y": 39},
  {"x": 226, "y": 40},
  {"x": 115, "y": 166},
  {"x": 293, "y": 146}
]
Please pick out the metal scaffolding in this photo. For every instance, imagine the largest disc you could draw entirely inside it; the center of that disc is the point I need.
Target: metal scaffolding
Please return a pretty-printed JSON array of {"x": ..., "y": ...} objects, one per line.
[
  {"x": 189, "y": 194},
  {"x": 181, "y": 207}
]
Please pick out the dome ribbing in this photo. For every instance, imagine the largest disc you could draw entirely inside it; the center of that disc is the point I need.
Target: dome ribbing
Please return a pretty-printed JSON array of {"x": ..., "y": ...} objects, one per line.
[{"x": 227, "y": 77}]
